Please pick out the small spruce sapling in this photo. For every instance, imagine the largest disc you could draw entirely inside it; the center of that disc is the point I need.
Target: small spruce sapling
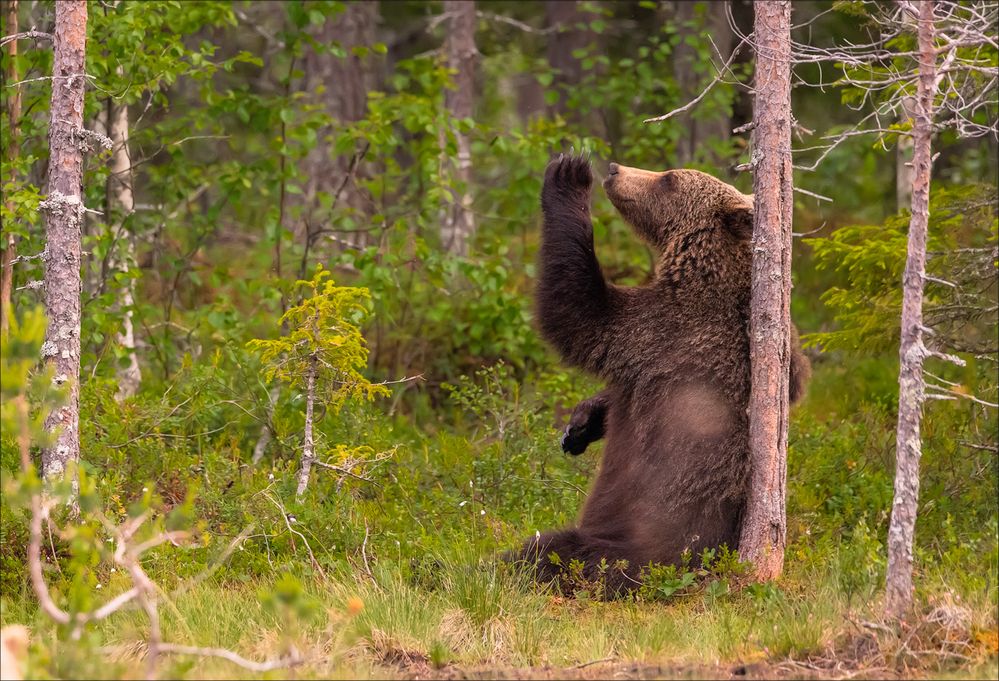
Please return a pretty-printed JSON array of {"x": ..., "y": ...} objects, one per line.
[{"x": 323, "y": 352}]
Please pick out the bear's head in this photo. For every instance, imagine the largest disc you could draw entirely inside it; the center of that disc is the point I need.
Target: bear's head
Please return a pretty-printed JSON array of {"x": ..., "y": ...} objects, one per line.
[{"x": 666, "y": 207}]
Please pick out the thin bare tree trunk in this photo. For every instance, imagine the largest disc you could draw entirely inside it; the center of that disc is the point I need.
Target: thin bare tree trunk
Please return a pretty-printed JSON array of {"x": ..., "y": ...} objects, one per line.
[
  {"x": 120, "y": 194},
  {"x": 9, "y": 247},
  {"x": 459, "y": 223},
  {"x": 697, "y": 127},
  {"x": 341, "y": 85},
  {"x": 266, "y": 433},
  {"x": 308, "y": 446},
  {"x": 912, "y": 352},
  {"x": 568, "y": 38},
  {"x": 64, "y": 210},
  {"x": 764, "y": 528}
]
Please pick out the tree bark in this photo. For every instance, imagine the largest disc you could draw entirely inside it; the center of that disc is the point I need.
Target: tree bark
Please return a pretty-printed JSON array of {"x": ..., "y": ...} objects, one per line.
[
  {"x": 9, "y": 246},
  {"x": 764, "y": 528},
  {"x": 458, "y": 226},
  {"x": 64, "y": 210},
  {"x": 308, "y": 446},
  {"x": 912, "y": 352},
  {"x": 120, "y": 195}
]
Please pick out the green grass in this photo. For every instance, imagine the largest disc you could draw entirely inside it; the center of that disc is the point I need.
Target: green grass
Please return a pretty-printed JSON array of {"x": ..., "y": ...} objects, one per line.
[
  {"x": 475, "y": 615},
  {"x": 433, "y": 521}
]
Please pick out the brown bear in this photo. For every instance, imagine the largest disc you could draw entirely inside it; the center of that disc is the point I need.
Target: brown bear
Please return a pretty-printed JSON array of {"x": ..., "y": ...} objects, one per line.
[{"x": 674, "y": 354}]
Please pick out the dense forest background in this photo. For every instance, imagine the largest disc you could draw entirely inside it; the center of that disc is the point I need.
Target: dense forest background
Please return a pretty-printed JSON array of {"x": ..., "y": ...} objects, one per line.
[{"x": 399, "y": 147}]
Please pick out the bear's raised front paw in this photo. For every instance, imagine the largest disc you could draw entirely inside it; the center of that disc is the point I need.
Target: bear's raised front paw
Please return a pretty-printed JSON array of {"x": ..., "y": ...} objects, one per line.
[{"x": 568, "y": 176}]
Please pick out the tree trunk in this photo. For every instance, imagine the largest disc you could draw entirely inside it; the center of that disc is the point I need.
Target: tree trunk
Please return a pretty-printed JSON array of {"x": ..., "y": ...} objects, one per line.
[
  {"x": 908, "y": 447},
  {"x": 120, "y": 195},
  {"x": 696, "y": 127},
  {"x": 266, "y": 434},
  {"x": 64, "y": 210},
  {"x": 308, "y": 446},
  {"x": 458, "y": 226},
  {"x": 343, "y": 84},
  {"x": 568, "y": 37},
  {"x": 764, "y": 527},
  {"x": 9, "y": 246}
]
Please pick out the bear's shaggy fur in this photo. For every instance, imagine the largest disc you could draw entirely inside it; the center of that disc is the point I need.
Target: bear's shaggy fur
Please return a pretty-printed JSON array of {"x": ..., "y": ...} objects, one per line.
[{"x": 675, "y": 357}]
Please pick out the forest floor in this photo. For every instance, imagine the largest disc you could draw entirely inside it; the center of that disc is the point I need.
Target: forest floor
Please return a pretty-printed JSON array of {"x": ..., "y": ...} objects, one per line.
[{"x": 361, "y": 630}]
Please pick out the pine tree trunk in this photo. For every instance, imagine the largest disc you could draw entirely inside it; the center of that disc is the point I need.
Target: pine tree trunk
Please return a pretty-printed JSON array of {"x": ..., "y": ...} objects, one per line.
[
  {"x": 458, "y": 226},
  {"x": 911, "y": 387},
  {"x": 308, "y": 445},
  {"x": 9, "y": 246},
  {"x": 64, "y": 210},
  {"x": 120, "y": 195},
  {"x": 764, "y": 527}
]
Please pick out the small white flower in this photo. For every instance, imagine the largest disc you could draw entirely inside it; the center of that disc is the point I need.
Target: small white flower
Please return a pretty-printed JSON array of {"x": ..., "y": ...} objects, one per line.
[
  {"x": 292, "y": 519},
  {"x": 99, "y": 586},
  {"x": 471, "y": 484},
  {"x": 114, "y": 570},
  {"x": 462, "y": 504},
  {"x": 537, "y": 534},
  {"x": 145, "y": 489},
  {"x": 270, "y": 476},
  {"x": 482, "y": 512}
]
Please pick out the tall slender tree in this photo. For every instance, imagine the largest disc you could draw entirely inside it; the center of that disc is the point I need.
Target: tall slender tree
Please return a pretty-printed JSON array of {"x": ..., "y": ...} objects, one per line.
[
  {"x": 8, "y": 247},
  {"x": 911, "y": 352},
  {"x": 341, "y": 84},
  {"x": 692, "y": 18},
  {"x": 459, "y": 221},
  {"x": 64, "y": 210},
  {"x": 764, "y": 529},
  {"x": 121, "y": 200}
]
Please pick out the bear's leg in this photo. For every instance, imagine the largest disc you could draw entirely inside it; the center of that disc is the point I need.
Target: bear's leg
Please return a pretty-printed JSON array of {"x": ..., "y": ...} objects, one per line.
[
  {"x": 801, "y": 368},
  {"x": 566, "y": 557},
  {"x": 587, "y": 424}
]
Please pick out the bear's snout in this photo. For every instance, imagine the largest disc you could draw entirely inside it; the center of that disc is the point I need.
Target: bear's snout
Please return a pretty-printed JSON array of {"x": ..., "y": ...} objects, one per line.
[{"x": 612, "y": 169}]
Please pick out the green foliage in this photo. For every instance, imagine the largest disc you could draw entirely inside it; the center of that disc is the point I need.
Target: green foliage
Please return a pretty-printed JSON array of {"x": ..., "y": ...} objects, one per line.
[
  {"x": 872, "y": 258},
  {"x": 393, "y": 562},
  {"x": 324, "y": 336}
]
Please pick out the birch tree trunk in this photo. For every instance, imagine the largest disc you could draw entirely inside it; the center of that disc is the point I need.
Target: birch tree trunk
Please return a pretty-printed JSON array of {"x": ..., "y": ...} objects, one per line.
[
  {"x": 308, "y": 445},
  {"x": 8, "y": 248},
  {"x": 764, "y": 527},
  {"x": 459, "y": 222},
  {"x": 63, "y": 209},
  {"x": 911, "y": 387},
  {"x": 120, "y": 195}
]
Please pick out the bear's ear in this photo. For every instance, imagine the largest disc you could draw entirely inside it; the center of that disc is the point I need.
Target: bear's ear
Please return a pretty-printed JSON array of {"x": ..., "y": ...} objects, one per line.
[{"x": 738, "y": 219}]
